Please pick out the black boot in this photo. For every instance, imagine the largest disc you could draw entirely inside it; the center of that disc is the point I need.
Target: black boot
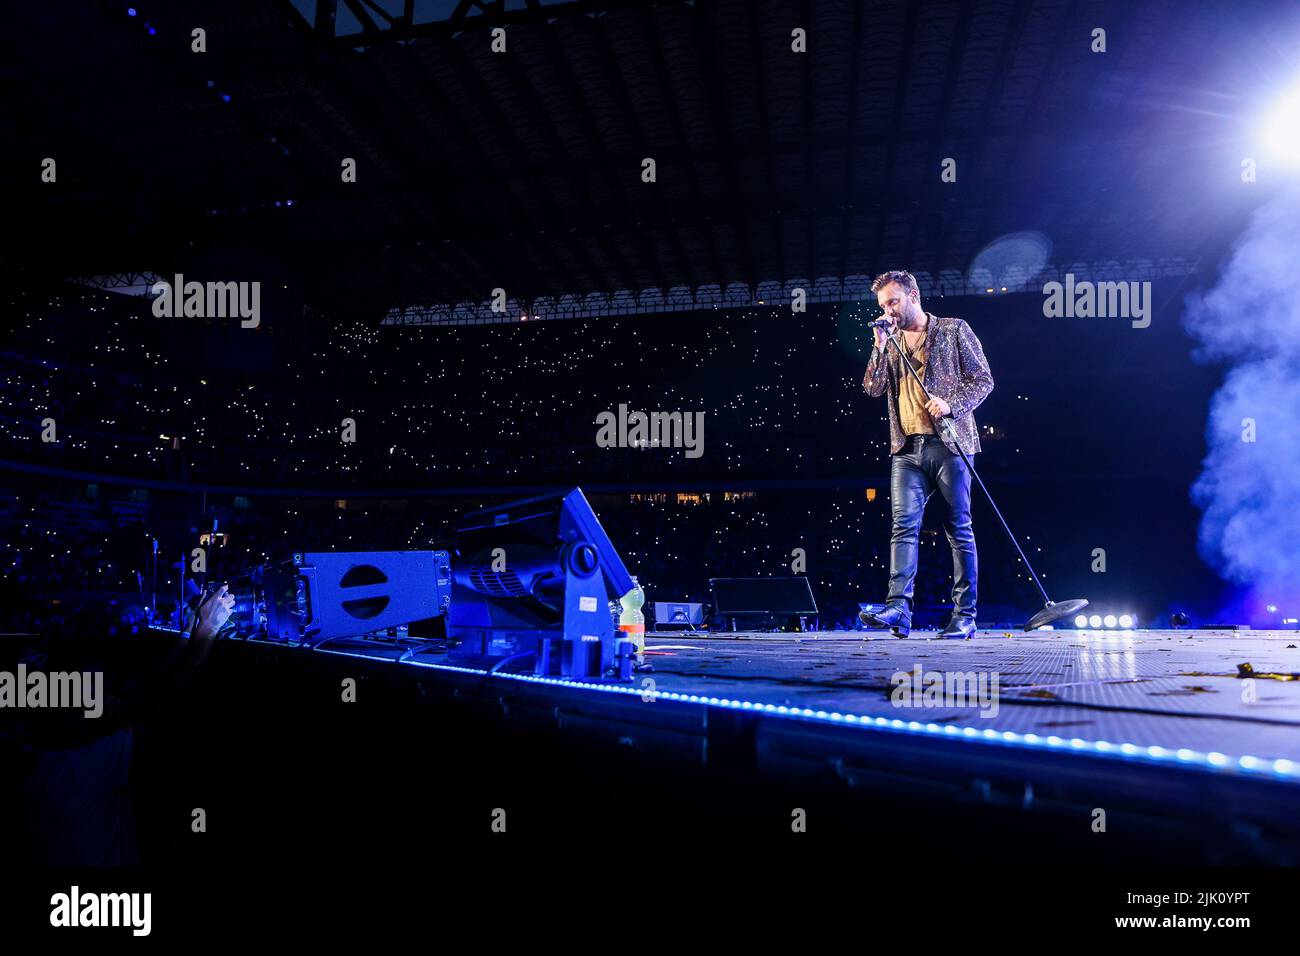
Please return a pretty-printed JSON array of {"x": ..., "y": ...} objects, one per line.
[
  {"x": 892, "y": 616},
  {"x": 960, "y": 627}
]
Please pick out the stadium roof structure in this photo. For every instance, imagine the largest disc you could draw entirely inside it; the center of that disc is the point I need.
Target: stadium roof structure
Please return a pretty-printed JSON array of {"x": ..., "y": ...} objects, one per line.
[{"x": 524, "y": 169}]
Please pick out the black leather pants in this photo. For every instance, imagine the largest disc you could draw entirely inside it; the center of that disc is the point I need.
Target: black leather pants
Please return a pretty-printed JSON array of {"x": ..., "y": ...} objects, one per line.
[{"x": 924, "y": 465}]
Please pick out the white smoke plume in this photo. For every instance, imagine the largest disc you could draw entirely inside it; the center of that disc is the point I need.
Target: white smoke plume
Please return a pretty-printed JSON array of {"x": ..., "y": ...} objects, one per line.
[{"x": 1249, "y": 490}]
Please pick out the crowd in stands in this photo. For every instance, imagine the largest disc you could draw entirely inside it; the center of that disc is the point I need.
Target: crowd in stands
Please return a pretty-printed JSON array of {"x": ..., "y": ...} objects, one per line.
[{"x": 131, "y": 394}]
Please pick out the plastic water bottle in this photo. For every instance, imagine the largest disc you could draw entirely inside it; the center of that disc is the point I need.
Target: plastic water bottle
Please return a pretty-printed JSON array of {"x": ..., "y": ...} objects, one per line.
[{"x": 631, "y": 623}]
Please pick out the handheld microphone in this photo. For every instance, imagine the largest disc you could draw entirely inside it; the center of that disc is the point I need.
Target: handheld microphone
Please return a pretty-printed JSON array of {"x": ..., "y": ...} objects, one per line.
[{"x": 882, "y": 324}]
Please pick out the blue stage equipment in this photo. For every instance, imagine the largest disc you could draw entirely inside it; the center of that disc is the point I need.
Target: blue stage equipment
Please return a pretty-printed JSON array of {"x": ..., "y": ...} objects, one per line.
[
  {"x": 685, "y": 614},
  {"x": 533, "y": 579},
  {"x": 323, "y": 595}
]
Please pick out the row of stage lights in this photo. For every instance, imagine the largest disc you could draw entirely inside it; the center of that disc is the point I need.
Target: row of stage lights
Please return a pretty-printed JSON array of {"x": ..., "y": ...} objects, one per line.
[{"x": 1097, "y": 621}]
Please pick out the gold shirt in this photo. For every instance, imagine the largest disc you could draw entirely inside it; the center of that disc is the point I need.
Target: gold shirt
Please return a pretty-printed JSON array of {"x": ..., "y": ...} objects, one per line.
[{"x": 911, "y": 399}]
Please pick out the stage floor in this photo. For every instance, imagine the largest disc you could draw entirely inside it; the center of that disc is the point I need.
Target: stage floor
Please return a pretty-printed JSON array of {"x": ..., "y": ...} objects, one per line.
[
  {"x": 1164, "y": 731},
  {"x": 1168, "y": 695}
]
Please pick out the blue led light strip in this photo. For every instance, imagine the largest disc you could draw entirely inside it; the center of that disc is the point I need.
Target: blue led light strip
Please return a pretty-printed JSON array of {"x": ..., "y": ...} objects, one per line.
[{"x": 1280, "y": 769}]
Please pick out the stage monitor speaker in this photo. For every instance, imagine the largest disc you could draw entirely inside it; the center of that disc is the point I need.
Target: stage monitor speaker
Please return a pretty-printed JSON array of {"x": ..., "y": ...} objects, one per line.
[
  {"x": 690, "y": 615},
  {"x": 756, "y": 602},
  {"x": 323, "y": 595}
]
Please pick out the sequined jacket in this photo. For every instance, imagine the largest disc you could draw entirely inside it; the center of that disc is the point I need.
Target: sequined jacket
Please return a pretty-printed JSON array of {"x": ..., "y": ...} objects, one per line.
[{"x": 955, "y": 370}]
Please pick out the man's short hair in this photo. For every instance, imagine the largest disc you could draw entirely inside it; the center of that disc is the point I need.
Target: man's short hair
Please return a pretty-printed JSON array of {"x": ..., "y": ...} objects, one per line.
[{"x": 901, "y": 276}]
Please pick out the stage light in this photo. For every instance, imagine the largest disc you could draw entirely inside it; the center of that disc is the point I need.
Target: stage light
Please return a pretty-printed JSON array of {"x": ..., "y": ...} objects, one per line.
[
  {"x": 1095, "y": 620},
  {"x": 130, "y": 11},
  {"x": 1282, "y": 129},
  {"x": 1126, "y": 620},
  {"x": 1081, "y": 621},
  {"x": 1110, "y": 620},
  {"x": 1272, "y": 609}
]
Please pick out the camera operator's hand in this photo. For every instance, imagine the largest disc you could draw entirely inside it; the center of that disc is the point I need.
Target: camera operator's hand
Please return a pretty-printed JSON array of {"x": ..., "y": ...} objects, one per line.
[{"x": 213, "y": 612}]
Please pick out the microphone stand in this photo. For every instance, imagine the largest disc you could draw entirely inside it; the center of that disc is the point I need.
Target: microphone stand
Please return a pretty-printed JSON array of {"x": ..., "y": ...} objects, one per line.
[{"x": 1051, "y": 610}]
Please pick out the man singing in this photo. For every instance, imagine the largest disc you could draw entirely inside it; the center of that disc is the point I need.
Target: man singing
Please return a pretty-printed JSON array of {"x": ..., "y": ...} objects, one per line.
[{"x": 923, "y": 457}]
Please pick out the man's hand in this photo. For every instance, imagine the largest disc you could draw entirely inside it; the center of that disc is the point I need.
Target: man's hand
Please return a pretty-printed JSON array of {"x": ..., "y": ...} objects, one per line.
[
  {"x": 213, "y": 612},
  {"x": 882, "y": 335},
  {"x": 937, "y": 408}
]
